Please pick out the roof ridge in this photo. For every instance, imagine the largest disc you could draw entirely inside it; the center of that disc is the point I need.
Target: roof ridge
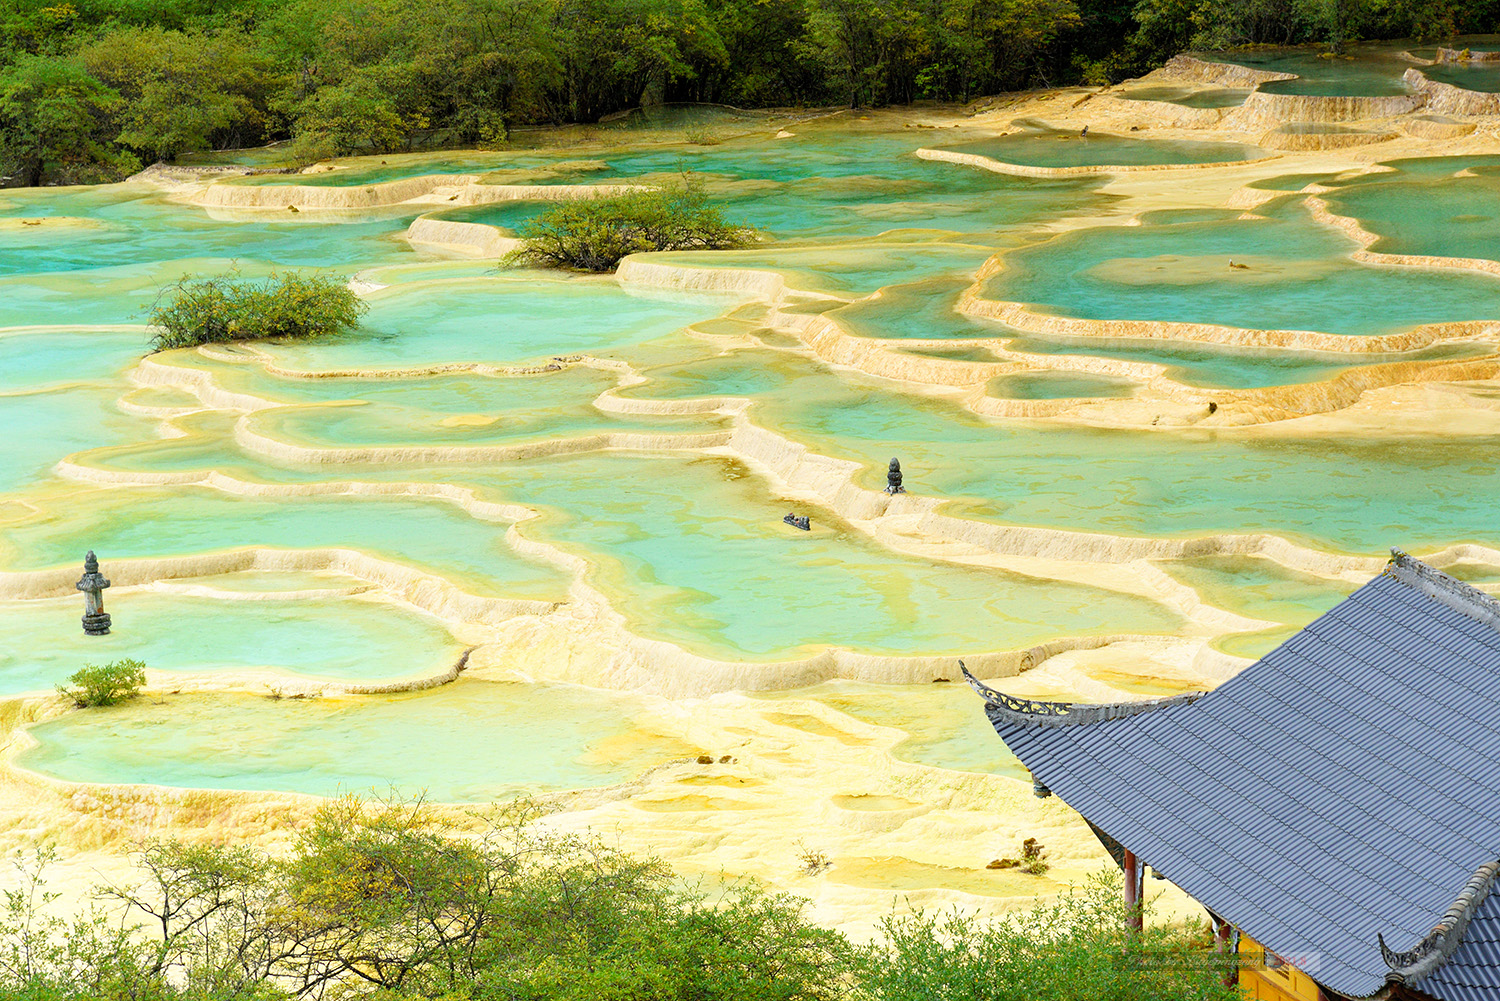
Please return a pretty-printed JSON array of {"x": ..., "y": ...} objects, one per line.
[
  {"x": 1439, "y": 944},
  {"x": 1035, "y": 712},
  {"x": 1450, "y": 591}
]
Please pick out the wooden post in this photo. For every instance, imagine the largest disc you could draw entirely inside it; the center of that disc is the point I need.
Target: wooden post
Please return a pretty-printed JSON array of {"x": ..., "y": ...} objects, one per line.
[
  {"x": 1224, "y": 945},
  {"x": 1133, "y": 884}
]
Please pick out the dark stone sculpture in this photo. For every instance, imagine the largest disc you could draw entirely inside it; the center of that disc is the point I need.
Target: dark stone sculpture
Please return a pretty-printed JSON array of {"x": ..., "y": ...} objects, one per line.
[
  {"x": 95, "y": 618},
  {"x": 893, "y": 478},
  {"x": 804, "y": 522}
]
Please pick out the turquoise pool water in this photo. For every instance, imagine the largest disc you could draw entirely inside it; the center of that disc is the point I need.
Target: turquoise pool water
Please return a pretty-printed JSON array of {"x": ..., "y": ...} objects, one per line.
[
  {"x": 1058, "y": 386},
  {"x": 1299, "y": 278},
  {"x": 185, "y": 520},
  {"x": 1479, "y": 76},
  {"x": 1198, "y": 482},
  {"x": 133, "y": 223},
  {"x": 688, "y": 546},
  {"x": 1363, "y": 71},
  {"x": 41, "y": 643},
  {"x": 1188, "y": 97},
  {"x": 464, "y": 743},
  {"x": 503, "y": 320},
  {"x": 693, "y": 550},
  {"x": 1052, "y": 148},
  {"x": 1425, "y": 208}
]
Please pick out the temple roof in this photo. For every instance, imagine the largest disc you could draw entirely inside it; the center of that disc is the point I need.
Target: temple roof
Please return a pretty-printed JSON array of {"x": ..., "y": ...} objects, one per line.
[
  {"x": 1470, "y": 971},
  {"x": 1343, "y": 790}
]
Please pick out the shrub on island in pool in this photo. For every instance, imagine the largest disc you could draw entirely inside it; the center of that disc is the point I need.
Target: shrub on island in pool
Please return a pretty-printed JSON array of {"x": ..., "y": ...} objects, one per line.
[
  {"x": 595, "y": 234},
  {"x": 230, "y": 308},
  {"x": 115, "y": 682}
]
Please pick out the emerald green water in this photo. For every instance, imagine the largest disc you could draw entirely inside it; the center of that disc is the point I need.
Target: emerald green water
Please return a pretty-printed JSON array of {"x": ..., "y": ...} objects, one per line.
[
  {"x": 1187, "y": 96},
  {"x": 1297, "y": 278},
  {"x": 148, "y": 522},
  {"x": 463, "y": 410},
  {"x": 1479, "y": 76},
  {"x": 464, "y": 743},
  {"x": 1058, "y": 386},
  {"x": 32, "y": 362},
  {"x": 1364, "y": 71},
  {"x": 344, "y": 638},
  {"x": 1292, "y": 182},
  {"x": 1337, "y": 493},
  {"x": 688, "y": 547},
  {"x": 1259, "y": 588},
  {"x": 132, "y": 224},
  {"x": 851, "y": 270},
  {"x": 1425, "y": 209},
  {"x": 925, "y": 310},
  {"x": 502, "y": 320},
  {"x": 694, "y": 551},
  {"x": 1221, "y": 368},
  {"x": 1052, "y": 148}
]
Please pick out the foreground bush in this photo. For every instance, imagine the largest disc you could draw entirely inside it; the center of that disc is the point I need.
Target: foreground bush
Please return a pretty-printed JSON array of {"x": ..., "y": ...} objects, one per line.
[
  {"x": 393, "y": 903},
  {"x": 1074, "y": 949},
  {"x": 229, "y": 308},
  {"x": 596, "y": 234},
  {"x": 109, "y": 685}
]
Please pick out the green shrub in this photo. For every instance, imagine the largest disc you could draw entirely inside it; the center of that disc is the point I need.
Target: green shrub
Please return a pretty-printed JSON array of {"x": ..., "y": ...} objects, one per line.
[
  {"x": 229, "y": 308},
  {"x": 595, "y": 234},
  {"x": 1076, "y": 948},
  {"x": 396, "y": 902},
  {"x": 109, "y": 685}
]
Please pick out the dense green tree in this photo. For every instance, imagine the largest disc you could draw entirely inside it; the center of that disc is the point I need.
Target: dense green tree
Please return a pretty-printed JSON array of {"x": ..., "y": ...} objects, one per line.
[
  {"x": 1163, "y": 29},
  {"x": 767, "y": 64},
  {"x": 182, "y": 91},
  {"x": 352, "y": 117},
  {"x": 615, "y": 54},
  {"x": 90, "y": 87},
  {"x": 56, "y": 123}
]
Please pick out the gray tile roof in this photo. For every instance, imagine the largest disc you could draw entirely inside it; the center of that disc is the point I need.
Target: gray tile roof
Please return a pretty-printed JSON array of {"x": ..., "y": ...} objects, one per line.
[
  {"x": 1472, "y": 972},
  {"x": 1347, "y": 786}
]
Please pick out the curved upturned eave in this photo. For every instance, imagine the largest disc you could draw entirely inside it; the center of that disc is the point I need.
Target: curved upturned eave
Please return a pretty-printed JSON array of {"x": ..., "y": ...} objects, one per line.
[
  {"x": 1036, "y": 713},
  {"x": 1438, "y": 945}
]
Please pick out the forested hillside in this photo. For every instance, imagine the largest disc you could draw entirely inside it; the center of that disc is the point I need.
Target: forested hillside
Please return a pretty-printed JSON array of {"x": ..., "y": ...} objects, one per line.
[{"x": 92, "y": 89}]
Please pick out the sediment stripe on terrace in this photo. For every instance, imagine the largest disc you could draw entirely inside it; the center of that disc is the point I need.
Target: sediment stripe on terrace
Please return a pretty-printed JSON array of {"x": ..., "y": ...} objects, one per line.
[
  {"x": 878, "y": 357},
  {"x": 1221, "y": 74},
  {"x": 471, "y": 238},
  {"x": 260, "y": 443},
  {"x": 1447, "y": 99},
  {"x": 1026, "y": 170},
  {"x": 1025, "y": 317},
  {"x": 452, "y": 190},
  {"x": 1263, "y": 110}
]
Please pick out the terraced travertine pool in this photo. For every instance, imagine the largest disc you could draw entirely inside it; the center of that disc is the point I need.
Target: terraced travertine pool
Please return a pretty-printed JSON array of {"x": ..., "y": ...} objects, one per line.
[
  {"x": 1294, "y": 274},
  {"x": 1044, "y": 147},
  {"x": 574, "y": 486}
]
